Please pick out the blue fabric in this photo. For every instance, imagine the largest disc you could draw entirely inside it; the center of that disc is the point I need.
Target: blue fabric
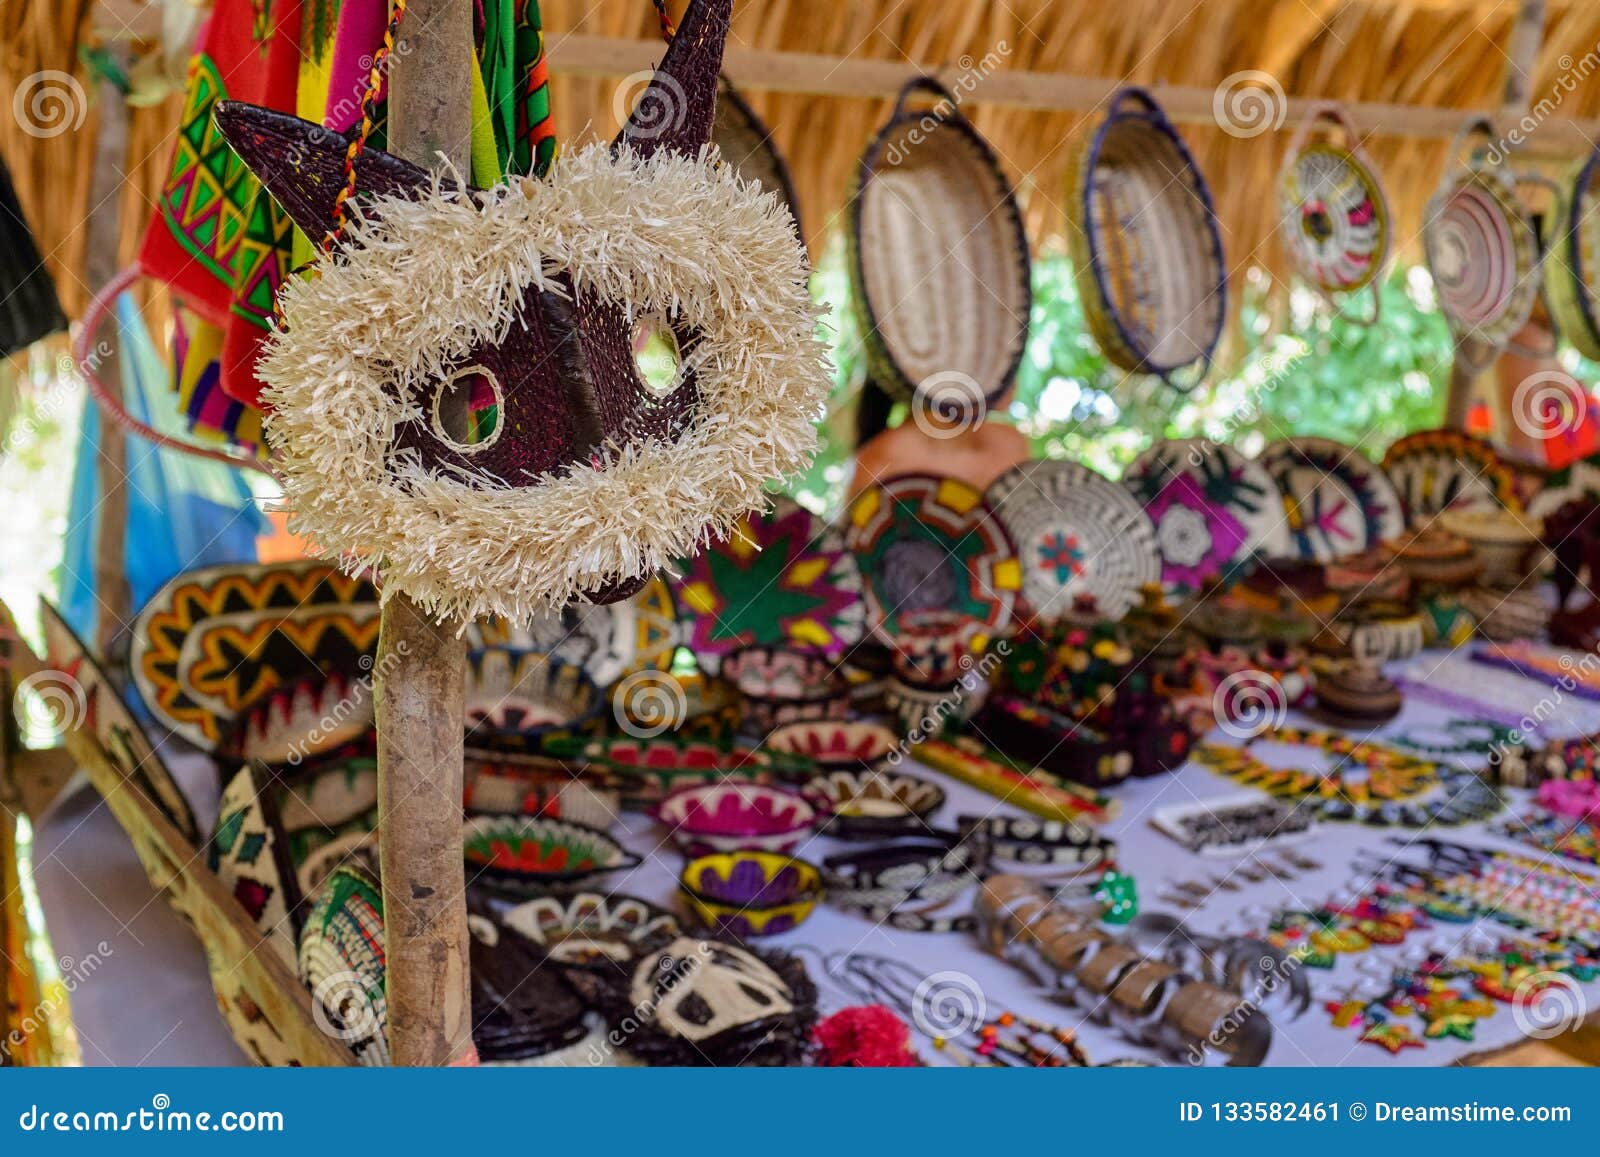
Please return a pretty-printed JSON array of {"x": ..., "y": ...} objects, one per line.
[{"x": 183, "y": 512}]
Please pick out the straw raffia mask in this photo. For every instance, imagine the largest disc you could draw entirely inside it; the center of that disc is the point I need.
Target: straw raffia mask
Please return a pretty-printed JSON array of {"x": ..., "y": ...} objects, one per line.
[{"x": 455, "y": 396}]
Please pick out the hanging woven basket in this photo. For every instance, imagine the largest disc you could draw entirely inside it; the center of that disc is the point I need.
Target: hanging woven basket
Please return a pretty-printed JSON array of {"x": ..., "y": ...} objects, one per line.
[
  {"x": 1146, "y": 246},
  {"x": 939, "y": 259},
  {"x": 745, "y": 142},
  {"x": 1481, "y": 248},
  {"x": 1573, "y": 261},
  {"x": 1333, "y": 216}
]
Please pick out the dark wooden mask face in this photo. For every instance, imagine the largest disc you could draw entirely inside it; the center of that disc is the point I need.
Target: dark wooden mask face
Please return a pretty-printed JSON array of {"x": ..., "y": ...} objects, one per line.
[{"x": 564, "y": 383}]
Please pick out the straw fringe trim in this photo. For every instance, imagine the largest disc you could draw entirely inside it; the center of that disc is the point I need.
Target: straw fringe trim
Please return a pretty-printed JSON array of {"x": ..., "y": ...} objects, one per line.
[{"x": 424, "y": 282}]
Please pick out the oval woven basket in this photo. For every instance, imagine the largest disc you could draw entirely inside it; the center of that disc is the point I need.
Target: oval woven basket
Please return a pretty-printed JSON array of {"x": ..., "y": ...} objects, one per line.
[
  {"x": 1145, "y": 244},
  {"x": 939, "y": 258},
  {"x": 1482, "y": 250},
  {"x": 1333, "y": 216},
  {"x": 1573, "y": 261},
  {"x": 746, "y": 143}
]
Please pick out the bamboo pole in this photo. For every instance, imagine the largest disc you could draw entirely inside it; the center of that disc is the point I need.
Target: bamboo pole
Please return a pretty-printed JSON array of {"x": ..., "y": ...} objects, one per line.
[
  {"x": 421, "y": 666},
  {"x": 103, "y": 229},
  {"x": 1522, "y": 56}
]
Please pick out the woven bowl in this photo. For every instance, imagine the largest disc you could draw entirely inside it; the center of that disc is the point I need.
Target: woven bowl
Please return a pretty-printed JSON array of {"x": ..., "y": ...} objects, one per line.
[
  {"x": 870, "y": 804},
  {"x": 516, "y": 699},
  {"x": 1145, "y": 244},
  {"x": 520, "y": 855},
  {"x": 692, "y": 708},
  {"x": 646, "y": 771},
  {"x": 730, "y": 817},
  {"x": 834, "y": 746},
  {"x": 751, "y": 894},
  {"x": 1503, "y": 542},
  {"x": 939, "y": 259},
  {"x": 781, "y": 686}
]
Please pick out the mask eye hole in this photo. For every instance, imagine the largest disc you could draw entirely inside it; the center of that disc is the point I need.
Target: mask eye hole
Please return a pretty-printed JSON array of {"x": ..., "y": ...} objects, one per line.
[
  {"x": 468, "y": 410},
  {"x": 656, "y": 355}
]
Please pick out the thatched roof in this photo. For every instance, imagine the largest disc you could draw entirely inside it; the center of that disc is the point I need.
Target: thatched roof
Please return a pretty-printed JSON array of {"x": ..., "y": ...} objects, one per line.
[{"x": 1445, "y": 55}]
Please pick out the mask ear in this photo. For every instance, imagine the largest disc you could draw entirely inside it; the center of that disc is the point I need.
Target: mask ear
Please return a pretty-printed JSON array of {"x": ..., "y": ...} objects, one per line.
[
  {"x": 302, "y": 163},
  {"x": 676, "y": 110}
]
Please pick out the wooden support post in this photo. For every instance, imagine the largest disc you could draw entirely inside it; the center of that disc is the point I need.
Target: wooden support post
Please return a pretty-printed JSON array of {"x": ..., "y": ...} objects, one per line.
[
  {"x": 421, "y": 667},
  {"x": 101, "y": 262},
  {"x": 1522, "y": 57}
]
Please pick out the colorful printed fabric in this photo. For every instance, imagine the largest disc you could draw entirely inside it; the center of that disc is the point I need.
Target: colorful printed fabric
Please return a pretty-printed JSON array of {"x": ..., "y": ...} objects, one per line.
[
  {"x": 361, "y": 25},
  {"x": 535, "y": 145},
  {"x": 196, "y": 373},
  {"x": 203, "y": 212},
  {"x": 265, "y": 252},
  {"x": 517, "y": 82}
]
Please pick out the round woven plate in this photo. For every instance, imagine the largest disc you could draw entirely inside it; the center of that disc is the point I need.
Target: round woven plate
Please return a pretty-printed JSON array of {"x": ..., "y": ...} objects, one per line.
[
  {"x": 784, "y": 579},
  {"x": 746, "y": 143},
  {"x": 1145, "y": 244},
  {"x": 1211, "y": 506},
  {"x": 1076, "y": 533},
  {"x": 1573, "y": 261},
  {"x": 342, "y": 962},
  {"x": 1433, "y": 470},
  {"x": 1338, "y": 502},
  {"x": 939, "y": 258},
  {"x": 212, "y": 641},
  {"x": 608, "y": 642},
  {"x": 1334, "y": 220},
  {"x": 930, "y": 547},
  {"x": 1580, "y": 479},
  {"x": 588, "y": 927},
  {"x": 1483, "y": 254}
]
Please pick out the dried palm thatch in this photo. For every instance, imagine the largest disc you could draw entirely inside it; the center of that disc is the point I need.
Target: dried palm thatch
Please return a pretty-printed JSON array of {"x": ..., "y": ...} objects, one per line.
[{"x": 1446, "y": 55}]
